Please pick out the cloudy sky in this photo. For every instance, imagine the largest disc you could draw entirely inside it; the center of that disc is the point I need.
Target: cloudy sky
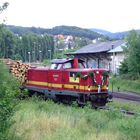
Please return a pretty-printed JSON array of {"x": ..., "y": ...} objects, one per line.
[{"x": 111, "y": 15}]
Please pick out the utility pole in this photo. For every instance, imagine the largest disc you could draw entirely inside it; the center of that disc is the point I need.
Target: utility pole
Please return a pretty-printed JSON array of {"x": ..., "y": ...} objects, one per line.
[
  {"x": 29, "y": 53},
  {"x": 50, "y": 54},
  {"x": 34, "y": 53},
  {"x": 40, "y": 55}
]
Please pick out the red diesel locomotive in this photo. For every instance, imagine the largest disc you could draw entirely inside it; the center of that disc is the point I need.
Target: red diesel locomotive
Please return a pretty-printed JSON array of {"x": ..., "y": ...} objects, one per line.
[{"x": 68, "y": 80}]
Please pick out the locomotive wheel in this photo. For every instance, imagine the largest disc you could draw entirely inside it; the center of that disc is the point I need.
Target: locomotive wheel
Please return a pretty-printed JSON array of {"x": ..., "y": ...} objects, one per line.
[
  {"x": 64, "y": 99},
  {"x": 81, "y": 100},
  {"x": 97, "y": 104},
  {"x": 80, "y": 104}
]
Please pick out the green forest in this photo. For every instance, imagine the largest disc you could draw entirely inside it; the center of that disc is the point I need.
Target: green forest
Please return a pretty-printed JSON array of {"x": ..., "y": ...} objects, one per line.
[{"x": 20, "y": 47}]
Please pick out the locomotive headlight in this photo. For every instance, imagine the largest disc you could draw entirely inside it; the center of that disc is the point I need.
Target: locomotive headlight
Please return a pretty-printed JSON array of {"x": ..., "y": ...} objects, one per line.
[
  {"x": 88, "y": 88},
  {"x": 97, "y": 72}
]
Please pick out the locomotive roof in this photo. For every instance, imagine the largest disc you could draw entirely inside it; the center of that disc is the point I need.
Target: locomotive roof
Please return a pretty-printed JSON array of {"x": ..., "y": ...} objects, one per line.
[
  {"x": 61, "y": 61},
  {"x": 86, "y": 70}
]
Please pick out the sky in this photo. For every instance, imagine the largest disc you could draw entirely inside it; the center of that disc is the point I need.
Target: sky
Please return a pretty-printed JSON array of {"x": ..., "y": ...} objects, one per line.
[{"x": 110, "y": 15}]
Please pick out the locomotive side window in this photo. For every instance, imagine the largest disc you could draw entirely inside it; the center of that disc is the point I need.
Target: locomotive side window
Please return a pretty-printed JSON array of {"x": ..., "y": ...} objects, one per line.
[{"x": 67, "y": 65}]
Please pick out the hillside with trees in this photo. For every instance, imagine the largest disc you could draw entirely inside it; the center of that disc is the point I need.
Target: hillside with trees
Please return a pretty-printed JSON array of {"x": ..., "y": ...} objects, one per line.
[
  {"x": 64, "y": 30},
  {"x": 116, "y": 35},
  {"x": 74, "y": 31}
]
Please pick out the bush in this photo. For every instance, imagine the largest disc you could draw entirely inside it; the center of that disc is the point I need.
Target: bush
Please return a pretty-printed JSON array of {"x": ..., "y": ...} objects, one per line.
[
  {"x": 8, "y": 91},
  {"x": 124, "y": 67}
]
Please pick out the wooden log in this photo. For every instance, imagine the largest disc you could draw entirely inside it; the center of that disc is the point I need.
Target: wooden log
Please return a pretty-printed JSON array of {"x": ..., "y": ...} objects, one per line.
[{"x": 18, "y": 69}]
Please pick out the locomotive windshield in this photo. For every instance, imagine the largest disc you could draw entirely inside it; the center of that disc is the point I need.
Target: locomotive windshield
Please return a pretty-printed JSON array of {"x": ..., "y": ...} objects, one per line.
[
  {"x": 67, "y": 64},
  {"x": 55, "y": 66}
]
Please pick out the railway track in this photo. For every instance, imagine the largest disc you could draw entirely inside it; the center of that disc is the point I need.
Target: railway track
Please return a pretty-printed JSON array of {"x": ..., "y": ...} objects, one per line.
[
  {"x": 126, "y": 112},
  {"x": 127, "y": 96}
]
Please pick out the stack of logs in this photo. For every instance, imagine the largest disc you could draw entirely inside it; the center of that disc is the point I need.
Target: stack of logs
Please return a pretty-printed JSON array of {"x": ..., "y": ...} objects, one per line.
[{"x": 18, "y": 69}]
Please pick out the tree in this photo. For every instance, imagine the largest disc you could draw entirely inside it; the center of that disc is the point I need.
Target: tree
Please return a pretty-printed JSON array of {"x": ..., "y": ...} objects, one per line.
[
  {"x": 37, "y": 45},
  {"x": 124, "y": 67},
  {"x": 132, "y": 54},
  {"x": 3, "y": 7},
  {"x": 9, "y": 89},
  {"x": 7, "y": 42}
]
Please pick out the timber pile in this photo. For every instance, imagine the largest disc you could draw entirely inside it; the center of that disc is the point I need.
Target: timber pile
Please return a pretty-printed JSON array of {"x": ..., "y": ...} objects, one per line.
[{"x": 19, "y": 70}]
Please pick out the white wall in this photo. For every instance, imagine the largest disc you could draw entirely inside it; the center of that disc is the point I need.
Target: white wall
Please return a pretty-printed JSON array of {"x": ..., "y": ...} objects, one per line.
[{"x": 117, "y": 58}]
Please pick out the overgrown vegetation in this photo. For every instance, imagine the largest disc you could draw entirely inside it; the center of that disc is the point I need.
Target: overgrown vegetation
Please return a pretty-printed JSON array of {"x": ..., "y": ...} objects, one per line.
[
  {"x": 9, "y": 89},
  {"x": 40, "y": 120},
  {"x": 123, "y": 83}
]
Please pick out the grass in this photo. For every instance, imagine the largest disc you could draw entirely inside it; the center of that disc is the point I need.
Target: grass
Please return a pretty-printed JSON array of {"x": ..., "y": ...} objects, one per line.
[
  {"x": 39, "y": 120},
  {"x": 125, "y": 85},
  {"x": 131, "y": 106}
]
